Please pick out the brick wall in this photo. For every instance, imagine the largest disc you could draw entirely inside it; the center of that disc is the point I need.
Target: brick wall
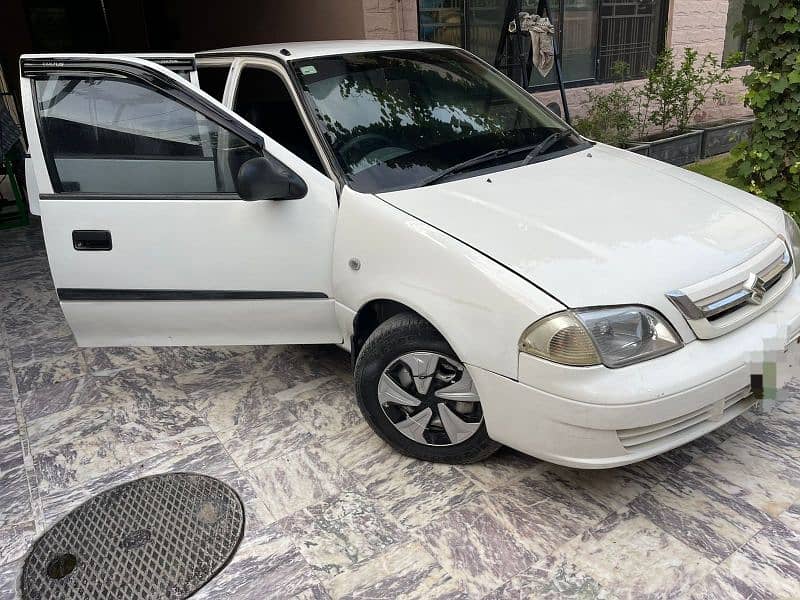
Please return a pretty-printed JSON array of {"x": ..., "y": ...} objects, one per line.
[
  {"x": 390, "y": 19},
  {"x": 699, "y": 24}
]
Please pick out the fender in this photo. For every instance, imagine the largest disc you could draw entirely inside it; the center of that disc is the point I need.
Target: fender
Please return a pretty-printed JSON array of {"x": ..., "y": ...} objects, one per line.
[{"x": 480, "y": 307}]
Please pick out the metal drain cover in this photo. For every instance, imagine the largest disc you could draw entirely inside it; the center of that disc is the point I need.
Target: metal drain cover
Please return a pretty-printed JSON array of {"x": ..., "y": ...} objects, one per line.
[{"x": 162, "y": 536}]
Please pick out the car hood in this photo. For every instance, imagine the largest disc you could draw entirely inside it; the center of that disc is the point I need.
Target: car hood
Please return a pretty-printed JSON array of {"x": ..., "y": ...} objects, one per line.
[{"x": 600, "y": 227}]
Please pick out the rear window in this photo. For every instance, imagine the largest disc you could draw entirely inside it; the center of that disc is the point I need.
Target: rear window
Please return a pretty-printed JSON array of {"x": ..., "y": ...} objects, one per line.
[{"x": 212, "y": 79}]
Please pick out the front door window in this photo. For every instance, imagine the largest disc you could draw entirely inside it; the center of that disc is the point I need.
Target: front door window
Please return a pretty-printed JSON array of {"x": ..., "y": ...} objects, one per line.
[{"x": 116, "y": 135}]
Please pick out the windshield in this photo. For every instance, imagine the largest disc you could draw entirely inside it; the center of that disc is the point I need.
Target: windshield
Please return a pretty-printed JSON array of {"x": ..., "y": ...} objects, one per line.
[{"x": 401, "y": 119}]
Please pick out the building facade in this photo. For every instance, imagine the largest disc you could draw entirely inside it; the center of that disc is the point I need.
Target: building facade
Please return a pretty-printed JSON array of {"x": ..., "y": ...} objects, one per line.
[{"x": 593, "y": 35}]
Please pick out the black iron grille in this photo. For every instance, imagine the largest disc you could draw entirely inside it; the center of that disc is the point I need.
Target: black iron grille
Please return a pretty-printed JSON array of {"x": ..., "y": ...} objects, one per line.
[{"x": 630, "y": 32}]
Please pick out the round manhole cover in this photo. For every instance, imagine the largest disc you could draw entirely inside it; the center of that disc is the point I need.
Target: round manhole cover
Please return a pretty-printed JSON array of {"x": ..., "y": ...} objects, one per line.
[{"x": 163, "y": 536}]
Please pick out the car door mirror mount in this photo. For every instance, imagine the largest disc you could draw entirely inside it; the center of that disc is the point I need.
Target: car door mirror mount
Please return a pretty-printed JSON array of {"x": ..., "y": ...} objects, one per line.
[{"x": 265, "y": 178}]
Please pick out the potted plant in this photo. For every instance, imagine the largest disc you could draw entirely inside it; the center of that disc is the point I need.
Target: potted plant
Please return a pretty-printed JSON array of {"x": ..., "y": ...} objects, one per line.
[
  {"x": 672, "y": 95},
  {"x": 615, "y": 117},
  {"x": 670, "y": 98},
  {"x": 722, "y": 135}
]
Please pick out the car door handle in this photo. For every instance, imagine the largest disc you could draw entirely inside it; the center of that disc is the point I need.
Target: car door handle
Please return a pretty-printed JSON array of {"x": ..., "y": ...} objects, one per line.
[{"x": 91, "y": 239}]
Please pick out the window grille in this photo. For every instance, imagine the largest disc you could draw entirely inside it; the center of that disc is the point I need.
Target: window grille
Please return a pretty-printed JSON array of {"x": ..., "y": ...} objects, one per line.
[
  {"x": 593, "y": 34},
  {"x": 630, "y": 32}
]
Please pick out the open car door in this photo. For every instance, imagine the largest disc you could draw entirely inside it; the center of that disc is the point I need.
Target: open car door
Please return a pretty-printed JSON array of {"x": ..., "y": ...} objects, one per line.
[
  {"x": 148, "y": 241},
  {"x": 181, "y": 64}
]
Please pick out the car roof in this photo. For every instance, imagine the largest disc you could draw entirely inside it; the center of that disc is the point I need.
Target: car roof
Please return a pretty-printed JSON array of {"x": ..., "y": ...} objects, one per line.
[{"x": 300, "y": 50}]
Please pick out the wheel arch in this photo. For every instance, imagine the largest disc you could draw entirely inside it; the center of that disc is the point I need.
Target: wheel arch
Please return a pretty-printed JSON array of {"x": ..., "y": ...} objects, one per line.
[{"x": 376, "y": 311}]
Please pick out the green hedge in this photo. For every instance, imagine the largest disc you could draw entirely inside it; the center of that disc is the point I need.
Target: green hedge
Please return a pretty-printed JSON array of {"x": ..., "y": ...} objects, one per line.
[{"x": 769, "y": 163}]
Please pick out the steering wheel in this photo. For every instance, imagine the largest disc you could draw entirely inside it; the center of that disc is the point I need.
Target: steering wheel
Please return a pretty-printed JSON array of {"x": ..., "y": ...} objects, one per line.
[{"x": 345, "y": 147}]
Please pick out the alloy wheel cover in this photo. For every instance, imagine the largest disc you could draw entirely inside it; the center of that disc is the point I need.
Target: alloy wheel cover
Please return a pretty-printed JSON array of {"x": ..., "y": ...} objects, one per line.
[{"x": 430, "y": 398}]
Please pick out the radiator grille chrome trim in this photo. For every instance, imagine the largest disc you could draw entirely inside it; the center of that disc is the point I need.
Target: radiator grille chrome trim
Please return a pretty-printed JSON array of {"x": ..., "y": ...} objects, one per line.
[{"x": 735, "y": 297}]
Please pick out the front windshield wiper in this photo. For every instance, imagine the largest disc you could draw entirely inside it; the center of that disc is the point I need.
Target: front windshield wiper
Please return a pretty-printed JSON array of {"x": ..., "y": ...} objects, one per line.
[
  {"x": 545, "y": 145},
  {"x": 533, "y": 152},
  {"x": 470, "y": 162}
]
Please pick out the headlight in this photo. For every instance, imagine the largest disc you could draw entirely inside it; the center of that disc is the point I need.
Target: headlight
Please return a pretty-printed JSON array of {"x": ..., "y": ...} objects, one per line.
[
  {"x": 561, "y": 338},
  {"x": 793, "y": 238},
  {"x": 615, "y": 337}
]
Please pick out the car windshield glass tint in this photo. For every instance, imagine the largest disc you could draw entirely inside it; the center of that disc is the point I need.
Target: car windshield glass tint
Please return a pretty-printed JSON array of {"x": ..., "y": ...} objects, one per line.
[{"x": 397, "y": 119}]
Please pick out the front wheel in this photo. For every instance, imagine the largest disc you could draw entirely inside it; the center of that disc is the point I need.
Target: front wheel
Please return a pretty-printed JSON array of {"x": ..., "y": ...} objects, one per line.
[{"x": 417, "y": 395}]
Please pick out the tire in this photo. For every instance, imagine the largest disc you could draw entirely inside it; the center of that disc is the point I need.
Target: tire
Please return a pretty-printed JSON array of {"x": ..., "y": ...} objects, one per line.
[{"x": 394, "y": 340}]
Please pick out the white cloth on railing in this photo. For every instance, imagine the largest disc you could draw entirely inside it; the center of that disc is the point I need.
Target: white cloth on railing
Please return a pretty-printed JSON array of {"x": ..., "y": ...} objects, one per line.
[{"x": 541, "y": 30}]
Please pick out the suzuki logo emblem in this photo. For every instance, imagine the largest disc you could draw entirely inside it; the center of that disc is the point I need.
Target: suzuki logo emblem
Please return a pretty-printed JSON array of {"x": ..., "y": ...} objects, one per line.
[{"x": 755, "y": 285}]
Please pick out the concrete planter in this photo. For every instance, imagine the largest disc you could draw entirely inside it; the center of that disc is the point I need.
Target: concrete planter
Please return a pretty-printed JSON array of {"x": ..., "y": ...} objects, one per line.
[
  {"x": 720, "y": 137},
  {"x": 642, "y": 148},
  {"x": 681, "y": 149}
]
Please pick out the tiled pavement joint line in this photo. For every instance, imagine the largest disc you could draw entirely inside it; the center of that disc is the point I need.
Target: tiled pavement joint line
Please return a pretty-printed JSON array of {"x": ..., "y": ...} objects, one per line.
[
  {"x": 242, "y": 472},
  {"x": 27, "y": 456},
  {"x": 739, "y": 547},
  {"x": 723, "y": 565}
]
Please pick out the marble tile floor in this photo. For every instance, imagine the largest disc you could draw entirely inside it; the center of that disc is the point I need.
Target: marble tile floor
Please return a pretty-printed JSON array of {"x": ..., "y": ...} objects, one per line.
[{"x": 334, "y": 513}]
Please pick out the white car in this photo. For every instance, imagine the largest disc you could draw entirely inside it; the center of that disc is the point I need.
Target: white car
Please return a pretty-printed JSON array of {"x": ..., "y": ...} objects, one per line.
[{"x": 497, "y": 278}]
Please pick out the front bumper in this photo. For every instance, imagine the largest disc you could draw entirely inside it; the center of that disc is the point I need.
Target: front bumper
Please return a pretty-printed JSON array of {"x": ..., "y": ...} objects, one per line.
[{"x": 598, "y": 417}]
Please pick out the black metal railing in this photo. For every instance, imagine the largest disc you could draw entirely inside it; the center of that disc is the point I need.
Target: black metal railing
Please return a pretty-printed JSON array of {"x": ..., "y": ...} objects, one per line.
[{"x": 630, "y": 32}]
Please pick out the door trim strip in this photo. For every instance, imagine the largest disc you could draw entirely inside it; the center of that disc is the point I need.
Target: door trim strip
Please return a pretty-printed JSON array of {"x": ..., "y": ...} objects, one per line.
[{"x": 108, "y": 295}]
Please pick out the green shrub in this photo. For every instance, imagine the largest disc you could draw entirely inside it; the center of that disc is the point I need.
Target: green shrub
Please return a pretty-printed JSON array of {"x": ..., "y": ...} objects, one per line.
[
  {"x": 769, "y": 163},
  {"x": 673, "y": 93},
  {"x": 669, "y": 99},
  {"x": 613, "y": 117}
]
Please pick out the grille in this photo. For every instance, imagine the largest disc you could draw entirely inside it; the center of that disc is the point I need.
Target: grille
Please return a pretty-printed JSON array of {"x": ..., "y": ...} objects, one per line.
[
  {"x": 734, "y": 298},
  {"x": 631, "y": 31},
  {"x": 640, "y": 438},
  {"x": 731, "y": 299},
  {"x": 163, "y": 536}
]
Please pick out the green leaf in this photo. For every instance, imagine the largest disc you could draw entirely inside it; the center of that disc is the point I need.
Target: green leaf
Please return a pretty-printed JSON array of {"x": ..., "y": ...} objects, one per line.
[
  {"x": 769, "y": 161},
  {"x": 780, "y": 86}
]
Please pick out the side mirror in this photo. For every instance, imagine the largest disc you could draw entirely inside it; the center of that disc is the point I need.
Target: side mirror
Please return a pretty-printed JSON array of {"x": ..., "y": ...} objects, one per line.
[{"x": 263, "y": 178}]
